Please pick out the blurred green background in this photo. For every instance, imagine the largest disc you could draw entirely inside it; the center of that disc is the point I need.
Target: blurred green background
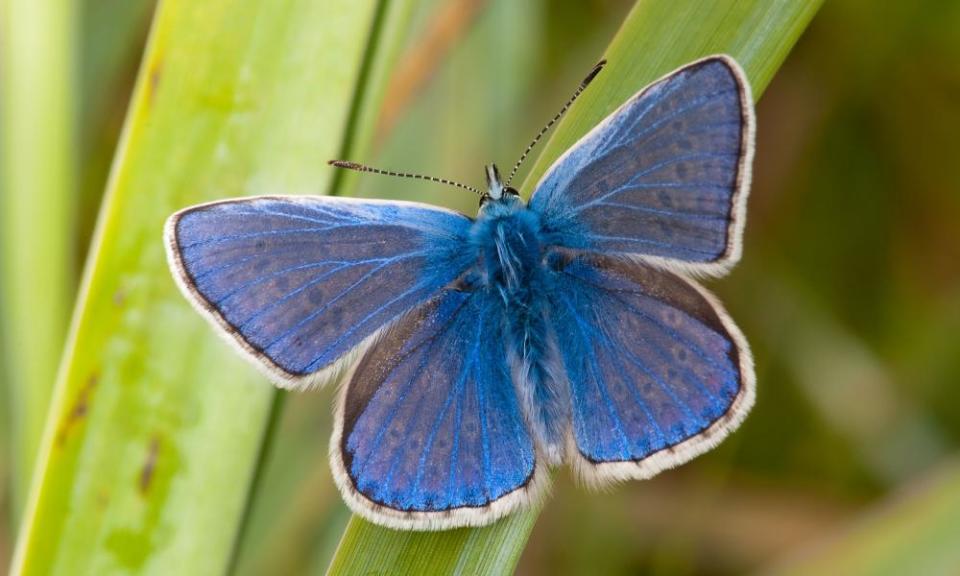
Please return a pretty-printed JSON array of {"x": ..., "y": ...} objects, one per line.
[{"x": 849, "y": 287}]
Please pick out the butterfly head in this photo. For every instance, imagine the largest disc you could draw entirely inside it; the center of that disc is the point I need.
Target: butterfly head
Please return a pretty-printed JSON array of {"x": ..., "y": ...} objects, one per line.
[{"x": 496, "y": 190}]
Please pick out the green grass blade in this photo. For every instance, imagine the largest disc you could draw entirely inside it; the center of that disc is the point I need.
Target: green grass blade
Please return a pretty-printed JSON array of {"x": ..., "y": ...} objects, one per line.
[
  {"x": 657, "y": 36},
  {"x": 156, "y": 425},
  {"x": 370, "y": 549},
  {"x": 36, "y": 201}
]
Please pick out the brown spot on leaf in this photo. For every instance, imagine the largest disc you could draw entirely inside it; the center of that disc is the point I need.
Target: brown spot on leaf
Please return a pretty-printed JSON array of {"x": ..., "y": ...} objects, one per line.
[
  {"x": 153, "y": 84},
  {"x": 149, "y": 466},
  {"x": 78, "y": 411}
]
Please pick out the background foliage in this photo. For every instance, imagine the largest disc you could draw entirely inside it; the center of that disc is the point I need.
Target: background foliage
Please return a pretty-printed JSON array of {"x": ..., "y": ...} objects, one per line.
[{"x": 849, "y": 289}]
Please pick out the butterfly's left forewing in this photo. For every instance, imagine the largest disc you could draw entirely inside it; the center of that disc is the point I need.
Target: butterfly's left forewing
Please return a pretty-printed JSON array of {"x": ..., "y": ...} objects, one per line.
[
  {"x": 429, "y": 432},
  {"x": 297, "y": 283}
]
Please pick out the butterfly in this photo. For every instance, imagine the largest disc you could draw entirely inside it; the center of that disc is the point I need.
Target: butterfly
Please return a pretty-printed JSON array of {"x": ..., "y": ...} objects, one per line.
[{"x": 477, "y": 353}]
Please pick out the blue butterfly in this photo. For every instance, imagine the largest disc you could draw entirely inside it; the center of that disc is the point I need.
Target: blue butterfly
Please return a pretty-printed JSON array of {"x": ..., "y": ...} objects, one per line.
[{"x": 478, "y": 353}]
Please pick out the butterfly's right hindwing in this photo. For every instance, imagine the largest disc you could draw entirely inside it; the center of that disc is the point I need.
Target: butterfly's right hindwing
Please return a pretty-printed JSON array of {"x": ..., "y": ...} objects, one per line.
[
  {"x": 299, "y": 282},
  {"x": 658, "y": 372}
]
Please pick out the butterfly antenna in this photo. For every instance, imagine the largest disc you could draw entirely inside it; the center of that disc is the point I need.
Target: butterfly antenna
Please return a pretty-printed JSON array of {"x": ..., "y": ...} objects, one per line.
[
  {"x": 362, "y": 168},
  {"x": 583, "y": 86}
]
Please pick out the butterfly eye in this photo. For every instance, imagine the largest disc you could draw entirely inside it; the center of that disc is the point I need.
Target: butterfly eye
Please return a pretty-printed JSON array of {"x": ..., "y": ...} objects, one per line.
[
  {"x": 511, "y": 191},
  {"x": 484, "y": 199}
]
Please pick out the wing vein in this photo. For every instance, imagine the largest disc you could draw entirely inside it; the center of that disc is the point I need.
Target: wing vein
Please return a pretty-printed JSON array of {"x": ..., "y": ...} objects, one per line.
[
  {"x": 654, "y": 126},
  {"x": 654, "y": 168},
  {"x": 314, "y": 282},
  {"x": 428, "y": 343},
  {"x": 598, "y": 380},
  {"x": 252, "y": 235}
]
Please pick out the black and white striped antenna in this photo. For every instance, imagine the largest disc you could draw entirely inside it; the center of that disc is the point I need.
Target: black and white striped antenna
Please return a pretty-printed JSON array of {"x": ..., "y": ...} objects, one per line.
[
  {"x": 583, "y": 86},
  {"x": 362, "y": 168}
]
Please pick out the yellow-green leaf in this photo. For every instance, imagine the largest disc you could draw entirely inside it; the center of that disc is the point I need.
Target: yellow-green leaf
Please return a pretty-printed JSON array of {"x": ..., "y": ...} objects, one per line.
[{"x": 156, "y": 425}]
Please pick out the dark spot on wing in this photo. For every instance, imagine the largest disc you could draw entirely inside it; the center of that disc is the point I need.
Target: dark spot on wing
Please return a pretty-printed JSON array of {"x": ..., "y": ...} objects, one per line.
[
  {"x": 317, "y": 296},
  {"x": 666, "y": 200}
]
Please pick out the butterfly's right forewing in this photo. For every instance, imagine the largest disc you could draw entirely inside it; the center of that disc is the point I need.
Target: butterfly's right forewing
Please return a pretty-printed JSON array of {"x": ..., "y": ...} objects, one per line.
[{"x": 665, "y": 177}]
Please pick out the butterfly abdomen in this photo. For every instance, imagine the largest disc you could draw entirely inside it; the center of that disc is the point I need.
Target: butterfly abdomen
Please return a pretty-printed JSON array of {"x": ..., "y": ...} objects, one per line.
[{"x": 511, "y": 251}]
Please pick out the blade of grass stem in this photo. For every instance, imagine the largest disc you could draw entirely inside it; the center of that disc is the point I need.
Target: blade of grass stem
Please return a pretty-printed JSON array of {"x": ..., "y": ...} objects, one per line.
[
  {"x": 36, "y": 206},
  {"x": 156, "y": 427}
]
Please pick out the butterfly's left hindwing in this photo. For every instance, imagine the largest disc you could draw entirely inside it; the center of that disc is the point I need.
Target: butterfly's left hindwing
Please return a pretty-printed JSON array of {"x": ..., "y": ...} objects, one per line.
[
  {"x": 664, "y": 177},
  {"x": 429, "y": 432},
  {"x": 297, "y": 283},
  {"x": 657, "y": 371}
]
